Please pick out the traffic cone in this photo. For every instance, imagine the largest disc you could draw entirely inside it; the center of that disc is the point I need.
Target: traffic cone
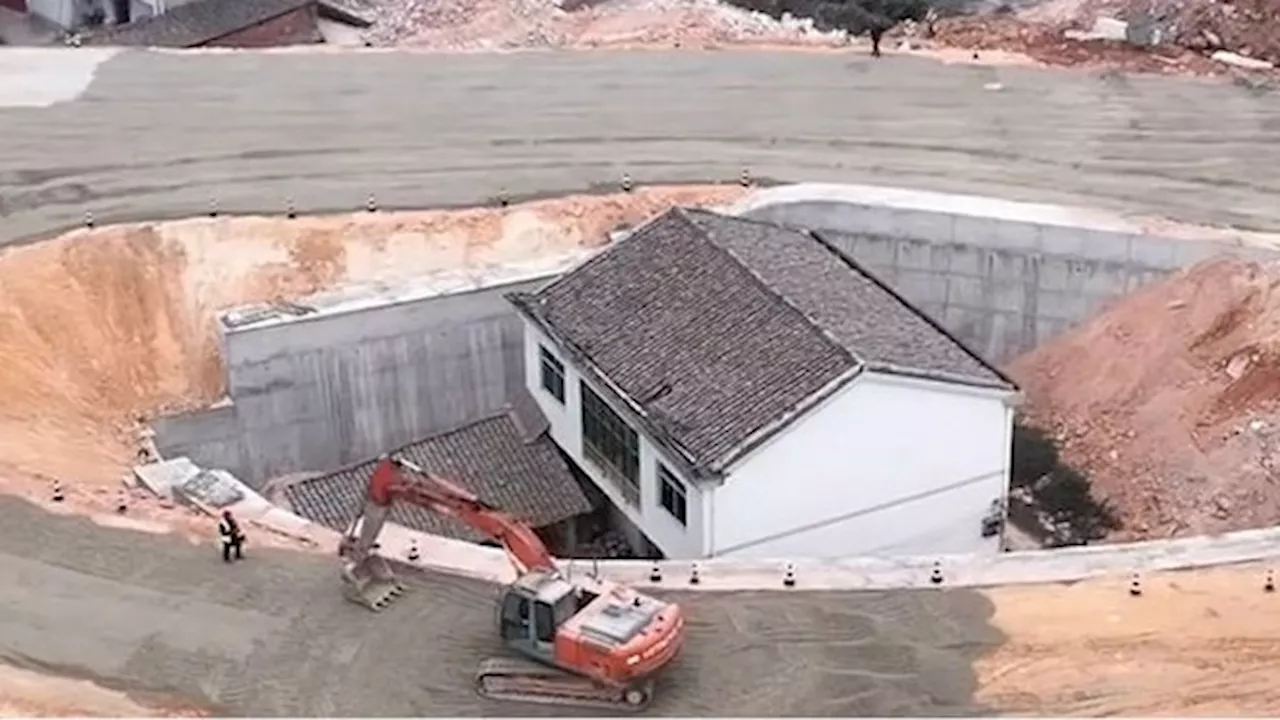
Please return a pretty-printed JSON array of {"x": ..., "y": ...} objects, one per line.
[
  {"x": 694, "y": 578},
  {"x": 1135, "y": 585},
  {"x": 122, "y": 503},
  {"x": 503, "y": 200},
  {"x": 58, "y": 494},
  {"x": 88, "y": 219},
  {"x": 935, "y": 575},
  {"x": 1269, "y": 585},
  {"x": 413, "y": 550},
  {"x": 289, "y": 210},
  {"x": 655, "y": 573},
  {"x": 745, "y": 178},
  {"x": 789, "y": 576},
  {"x": 626, "y": 183},
  {"x": 371, "y": 205},
  {"x": 213, "y": 208}
]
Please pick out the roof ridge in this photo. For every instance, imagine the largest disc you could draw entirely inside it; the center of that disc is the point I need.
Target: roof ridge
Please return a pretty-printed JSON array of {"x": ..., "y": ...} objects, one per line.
[
  {"x": 758, "y": 280},
  {"x": 857, "y": 267}
]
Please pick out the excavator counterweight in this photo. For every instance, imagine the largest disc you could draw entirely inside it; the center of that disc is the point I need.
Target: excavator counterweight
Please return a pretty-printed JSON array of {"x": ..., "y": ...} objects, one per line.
[{"x": 593, "y": 644}]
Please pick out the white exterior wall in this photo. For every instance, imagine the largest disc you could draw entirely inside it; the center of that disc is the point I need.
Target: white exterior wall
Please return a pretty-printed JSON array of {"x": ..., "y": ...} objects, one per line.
[
  {"x": 675, "y": 541},
  {"x": 59, "y": 12},
  {"x": 834, "y": 483}
]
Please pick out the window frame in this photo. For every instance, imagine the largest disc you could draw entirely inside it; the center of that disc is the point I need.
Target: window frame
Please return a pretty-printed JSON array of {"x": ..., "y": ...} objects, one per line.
[
  {"x": 551, "y": 368},
  {"x": 610, "y": 443},
  {"x": 673, "y": 488}
]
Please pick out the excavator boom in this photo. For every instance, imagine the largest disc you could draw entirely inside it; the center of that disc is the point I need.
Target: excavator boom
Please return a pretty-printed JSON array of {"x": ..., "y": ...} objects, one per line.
[
  {"x": 369, "y": 579},
  {"x": 569, "y": 668}
]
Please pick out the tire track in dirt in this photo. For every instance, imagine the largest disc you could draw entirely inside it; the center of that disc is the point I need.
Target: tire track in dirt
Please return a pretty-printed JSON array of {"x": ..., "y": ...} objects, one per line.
[
  {"x": 272, "y": 636},
  {"x": 242, "y": 127}
]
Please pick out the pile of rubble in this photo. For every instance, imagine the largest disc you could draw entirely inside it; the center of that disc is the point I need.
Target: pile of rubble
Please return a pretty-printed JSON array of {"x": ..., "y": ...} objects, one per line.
[
  {"x": 1153, "y": 36},
  {"x": 1170, "y": 401},
  {"x": 1053, "y": 46},
  {"x": 480, "y": 25}
]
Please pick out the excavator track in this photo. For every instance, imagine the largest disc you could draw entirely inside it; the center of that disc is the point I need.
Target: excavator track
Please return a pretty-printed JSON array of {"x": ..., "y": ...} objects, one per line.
[{"x": 519, "y": 680}]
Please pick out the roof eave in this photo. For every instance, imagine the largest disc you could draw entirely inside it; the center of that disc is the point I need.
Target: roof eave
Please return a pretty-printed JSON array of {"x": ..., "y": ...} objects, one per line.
[
  {"x": 755, "y": 440},
  {"x": 526, "y": 305},
  {"x": 995, "y": 383}
]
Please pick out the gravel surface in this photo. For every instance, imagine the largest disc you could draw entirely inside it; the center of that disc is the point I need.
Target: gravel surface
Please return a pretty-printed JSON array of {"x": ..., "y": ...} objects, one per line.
[
  {"x": 420, "y": 130},
  {"x": 272, "y": 636}
]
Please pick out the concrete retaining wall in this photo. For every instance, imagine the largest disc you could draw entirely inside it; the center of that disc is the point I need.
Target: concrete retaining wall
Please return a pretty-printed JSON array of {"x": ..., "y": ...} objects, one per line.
[
  {"x": 317, "y": 392},
  {"x": 1003, "y": 276}
]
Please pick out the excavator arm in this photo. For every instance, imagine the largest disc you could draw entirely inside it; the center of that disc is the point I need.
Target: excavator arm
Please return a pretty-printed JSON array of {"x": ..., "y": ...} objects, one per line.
[{"x": 369, "y": 579}]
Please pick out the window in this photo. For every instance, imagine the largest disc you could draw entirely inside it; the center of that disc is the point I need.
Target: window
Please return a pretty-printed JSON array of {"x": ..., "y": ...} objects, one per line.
[
  {"x": 515, "y": 617},
  {"x": 552, "y": 374},
  {"x": 544, "y": 622},
  {"x": 672, "y": 495},
  {"x": 611, "y": 445}
]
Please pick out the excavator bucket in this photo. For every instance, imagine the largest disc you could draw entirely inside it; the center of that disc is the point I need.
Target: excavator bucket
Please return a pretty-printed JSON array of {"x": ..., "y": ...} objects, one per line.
[{"x": 371, "y": 583}]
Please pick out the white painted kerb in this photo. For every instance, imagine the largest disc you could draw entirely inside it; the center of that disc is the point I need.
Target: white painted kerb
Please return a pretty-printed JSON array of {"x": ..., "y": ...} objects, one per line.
[
  {"x": 457, "y": 557},
  {"x": 996, "y": 209}
]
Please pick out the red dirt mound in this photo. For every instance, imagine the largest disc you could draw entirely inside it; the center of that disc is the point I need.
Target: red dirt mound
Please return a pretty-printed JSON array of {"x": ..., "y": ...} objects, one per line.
[{"x": 1171, "y": 400}]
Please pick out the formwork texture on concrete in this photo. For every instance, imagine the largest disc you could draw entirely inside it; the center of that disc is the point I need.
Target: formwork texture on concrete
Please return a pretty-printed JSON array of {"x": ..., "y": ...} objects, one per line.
[
  {"x": 241, "y": 127},
  {"x": 1003, "y": 276}
]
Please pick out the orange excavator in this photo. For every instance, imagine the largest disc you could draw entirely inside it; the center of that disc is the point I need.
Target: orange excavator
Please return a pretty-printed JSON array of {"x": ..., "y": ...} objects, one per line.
[{"x": 593, "y": 643}]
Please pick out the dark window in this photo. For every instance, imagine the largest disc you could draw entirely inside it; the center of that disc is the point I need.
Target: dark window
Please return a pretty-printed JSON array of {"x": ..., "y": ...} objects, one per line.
[
  {"x": 609, "y": 443},
  {"x": 544, "y": 622},
  {"x": 515, "y": 617},
  {"x": 552, "y": 374},
  {"x": 672, "y": 495}
]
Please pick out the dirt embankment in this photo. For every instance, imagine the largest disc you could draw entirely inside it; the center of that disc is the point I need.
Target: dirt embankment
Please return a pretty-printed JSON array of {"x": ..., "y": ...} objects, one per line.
[
  {"x": 100, "y": 327},
  {"x": 1171, "y": 400}
]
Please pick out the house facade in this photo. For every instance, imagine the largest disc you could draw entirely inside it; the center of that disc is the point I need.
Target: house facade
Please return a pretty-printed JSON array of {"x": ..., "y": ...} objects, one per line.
[{"x": 738, "y": 388}]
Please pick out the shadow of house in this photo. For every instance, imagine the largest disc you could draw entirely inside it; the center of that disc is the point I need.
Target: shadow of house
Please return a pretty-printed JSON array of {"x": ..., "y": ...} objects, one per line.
[
  {"x": 506, "y": 459},
  {"x": 226, "y": 23}
]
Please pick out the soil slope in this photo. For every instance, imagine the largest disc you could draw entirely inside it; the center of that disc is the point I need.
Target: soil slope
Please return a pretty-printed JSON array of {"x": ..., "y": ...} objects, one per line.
[
  {"x": 1171, "y": 400},
  {"x": 100, "y": 327}
]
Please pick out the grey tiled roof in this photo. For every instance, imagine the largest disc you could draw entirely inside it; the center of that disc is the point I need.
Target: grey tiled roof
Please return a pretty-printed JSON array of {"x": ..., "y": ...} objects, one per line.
[
  {"x": 201, "y": 21},
  {"x": 492, "y": 458},
  {"x": 721, "y": 327}
]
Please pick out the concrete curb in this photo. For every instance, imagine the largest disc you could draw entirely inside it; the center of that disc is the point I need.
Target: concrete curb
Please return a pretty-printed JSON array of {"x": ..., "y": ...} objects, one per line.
[{"x": 457, "y": 557}]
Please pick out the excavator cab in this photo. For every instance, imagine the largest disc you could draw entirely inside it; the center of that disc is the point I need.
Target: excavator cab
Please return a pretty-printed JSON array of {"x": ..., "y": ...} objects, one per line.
[
  {"x": 528, "y": 623},
  {"x": 596, "y": 644}
]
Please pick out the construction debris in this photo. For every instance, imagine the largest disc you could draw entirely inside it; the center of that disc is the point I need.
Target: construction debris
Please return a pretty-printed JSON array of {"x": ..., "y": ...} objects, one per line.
[
  {"x": 1240, "y": 61},
  {"x": 1170, "y": 401},
  {"x": 513, "y": 24}
]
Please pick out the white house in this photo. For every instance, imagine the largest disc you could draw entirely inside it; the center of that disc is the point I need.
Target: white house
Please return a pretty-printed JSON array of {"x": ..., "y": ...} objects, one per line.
[{"x": 738, "y": 388}]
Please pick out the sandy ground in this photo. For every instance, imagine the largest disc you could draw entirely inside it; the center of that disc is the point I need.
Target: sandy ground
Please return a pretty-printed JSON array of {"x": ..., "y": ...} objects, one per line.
[
  {"x": 272, "y": 636},
  {"x": 24, "y": 693},
  {"x": 1203, "y": 643},
  {"x": 100, "y": 327},
  {"x": 179, "y": 630}
]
